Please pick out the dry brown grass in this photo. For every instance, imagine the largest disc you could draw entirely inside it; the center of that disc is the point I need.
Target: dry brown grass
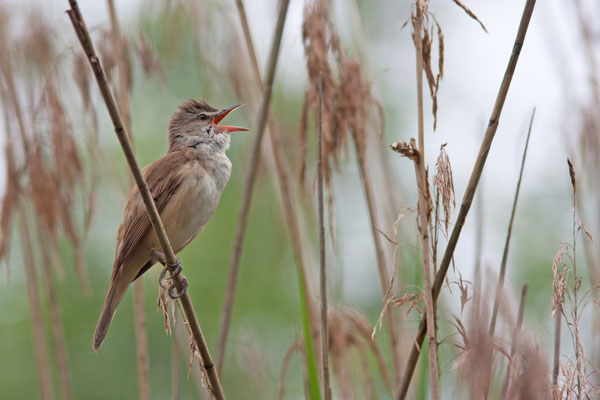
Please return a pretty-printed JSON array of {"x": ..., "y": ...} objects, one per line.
[
  {"x": 444, "y": 183},
  {"x": 44, "y": 176}
]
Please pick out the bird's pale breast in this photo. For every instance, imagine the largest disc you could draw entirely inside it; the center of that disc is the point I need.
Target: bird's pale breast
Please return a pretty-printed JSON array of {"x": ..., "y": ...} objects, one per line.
[{"x": 192, "y": 206}]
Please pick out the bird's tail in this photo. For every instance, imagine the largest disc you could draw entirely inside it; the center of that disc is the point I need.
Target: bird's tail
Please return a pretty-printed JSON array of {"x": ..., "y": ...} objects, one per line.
[{"x": 113, "y": 298}]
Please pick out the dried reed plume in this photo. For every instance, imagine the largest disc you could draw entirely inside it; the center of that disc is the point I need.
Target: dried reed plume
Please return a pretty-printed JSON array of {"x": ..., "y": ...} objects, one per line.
[
  {"x": 571, "y": 380},
  {"x": 349, "y": 337},
  {"x": 347, "y": 105},
  {"x": 423, "y": 38},
  {"x": 44, "y": 176},
  {"x": 444, "y": 183}
]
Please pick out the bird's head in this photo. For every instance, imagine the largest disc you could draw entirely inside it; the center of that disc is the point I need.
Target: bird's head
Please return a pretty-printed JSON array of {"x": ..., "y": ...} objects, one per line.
[{"x": 195, "y": 123}]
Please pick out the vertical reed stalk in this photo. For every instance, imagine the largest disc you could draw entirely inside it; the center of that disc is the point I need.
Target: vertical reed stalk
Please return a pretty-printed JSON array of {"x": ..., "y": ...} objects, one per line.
[
  {"x": 123, "y": 100},
  {"x": 83, "y": 35},
  {"x": 502, "y": 275},
  {"x": 57, "y": 330},
  {"x": 576, "y": 287},
  {"x": 175, "y": 366},
  {"x": 118, "y": 45},
  {"x": 384, "y": 279},
  {"x": 479, "y": 213},
  {"x": 324, "y": 330},
  {"x": 515, "y": 342},
  {"x": 556, "y": 358},
  {"x": 37, "y": 324},
  {"x": 424, "y": 213},
  {"x": 290, "y": 216},
  {"x": 469, "y": 193},
  {"x": 141, "y": 340}
]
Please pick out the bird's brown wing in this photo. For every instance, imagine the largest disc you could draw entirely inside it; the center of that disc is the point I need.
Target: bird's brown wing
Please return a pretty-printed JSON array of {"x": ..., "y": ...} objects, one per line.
[{"x": 163, "y": 181}]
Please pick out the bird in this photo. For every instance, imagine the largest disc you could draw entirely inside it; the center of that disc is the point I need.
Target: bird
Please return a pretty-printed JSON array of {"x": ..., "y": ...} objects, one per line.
[{"x": 186, "y": 185}]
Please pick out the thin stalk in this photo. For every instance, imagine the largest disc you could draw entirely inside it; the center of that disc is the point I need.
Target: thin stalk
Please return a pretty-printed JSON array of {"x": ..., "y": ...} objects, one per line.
[
  {"x": 122, "y": 70},
  {"x": 123, "y": 101},
  {"x": 57, "y": 330},
  {"x": 288, "y": 207},
  {"x": 37, "y": 324},
  {"x": 576, "y": 286},
  {"x": 181, "y": 335},
  {"x": 436, "y": 231},
  {"x": 515, "y": 341},
  {"x": 88, "y": 47},
  {"x": 423, "y": 206},
  {"x": 469, "y": 193},
  {"x": 312, "y": 387},
  {"x": 141, "y": 340},
  {"x": 502, "y": 275},
  {"x": 384, "y": 279},
  {"x": 478, "y": 244},
  {"x": 175, "y": 366},
  {"x": 14, "y": 101},
  {"x": 324, "y": 330},
  {"x": 556, "y": 361}
]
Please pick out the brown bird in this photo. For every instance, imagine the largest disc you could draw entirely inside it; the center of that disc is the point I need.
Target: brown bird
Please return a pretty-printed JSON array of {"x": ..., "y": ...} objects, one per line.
[{"x": 186, "y": 185}]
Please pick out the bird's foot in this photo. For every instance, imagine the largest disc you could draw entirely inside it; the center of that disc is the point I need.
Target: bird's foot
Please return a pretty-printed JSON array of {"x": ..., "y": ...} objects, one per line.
[
  {"x": 174, "y": 294},
  {"x": 177, "y": 271}
]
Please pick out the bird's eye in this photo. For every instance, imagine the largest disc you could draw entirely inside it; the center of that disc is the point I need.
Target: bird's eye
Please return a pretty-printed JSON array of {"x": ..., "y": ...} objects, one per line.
[{"x": 203, "y": 117}]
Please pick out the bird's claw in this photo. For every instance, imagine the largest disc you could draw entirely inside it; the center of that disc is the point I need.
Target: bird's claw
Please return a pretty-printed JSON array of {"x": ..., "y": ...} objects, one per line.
[
  {"x": 177, "y": 295},
  {"x": 163, "y": 273}
]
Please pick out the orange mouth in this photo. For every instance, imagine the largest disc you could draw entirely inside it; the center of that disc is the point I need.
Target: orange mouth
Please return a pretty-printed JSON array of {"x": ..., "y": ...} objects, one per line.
[{"x": 226, "y": 128}]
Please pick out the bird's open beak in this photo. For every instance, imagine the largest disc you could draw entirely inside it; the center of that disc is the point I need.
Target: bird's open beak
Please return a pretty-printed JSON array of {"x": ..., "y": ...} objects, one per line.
[{"x": 223, "y": 114}]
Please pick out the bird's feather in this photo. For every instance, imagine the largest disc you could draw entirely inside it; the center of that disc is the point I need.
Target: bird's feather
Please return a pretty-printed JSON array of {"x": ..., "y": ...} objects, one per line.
[{"x": 163, "y": 179}]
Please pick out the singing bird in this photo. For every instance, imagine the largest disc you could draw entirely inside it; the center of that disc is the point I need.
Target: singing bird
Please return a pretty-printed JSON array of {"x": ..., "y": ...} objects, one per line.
[{"x": 186, "y": 185}]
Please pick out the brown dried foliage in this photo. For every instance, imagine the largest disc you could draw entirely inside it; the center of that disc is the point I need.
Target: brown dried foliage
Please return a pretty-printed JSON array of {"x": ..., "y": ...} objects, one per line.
[
  {"x": 444, "y": 182},
  {"x": 250, "y": 352},
  {"x": 47, "y": 163},
  {"x": 37, "y": 44},
  {"x": 410, "y": 299},
  {"x": 426, "y": 33},
  {"x": 559, "y": 282},
  {"x": 408, "y": 150},
  {"x": 470, "y": 14},
  {"x": 529, "y": 377},
  {"x": 476, "y": 349},
  {"x": 162, "y": 304},
  {"x": 297, "y": 346},
  {"x": 151, "y": 63},
  {"x": 10, "y": 202},
  {"x": 43, "y": 193},
  {"x": 347, "y": 98},
  {"x": 81, "y": 76},
  {"x": 572, "y": 175},
  {"x": 348, "y": 329}
]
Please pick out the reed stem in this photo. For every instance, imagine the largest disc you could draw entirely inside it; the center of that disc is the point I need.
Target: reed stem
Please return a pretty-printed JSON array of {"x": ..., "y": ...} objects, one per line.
[
  {"x": 502, "y": 275},
  {"x": 37, "y": 323},
  {"x": 323, "y": 269},
  {"x": 424, "y": 213}
]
